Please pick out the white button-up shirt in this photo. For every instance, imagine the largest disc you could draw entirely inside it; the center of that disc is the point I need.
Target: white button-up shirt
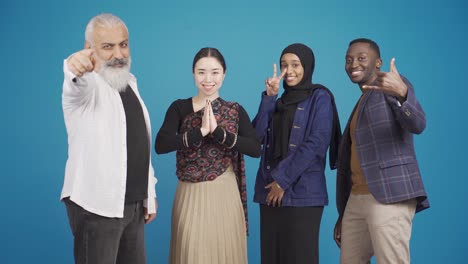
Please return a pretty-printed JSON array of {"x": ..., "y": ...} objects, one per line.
[{"x": 96, "y": 169}]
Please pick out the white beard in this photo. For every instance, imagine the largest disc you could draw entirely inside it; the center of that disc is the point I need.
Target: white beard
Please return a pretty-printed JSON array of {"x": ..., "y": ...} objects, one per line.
[{"x": 117, "y": 78}]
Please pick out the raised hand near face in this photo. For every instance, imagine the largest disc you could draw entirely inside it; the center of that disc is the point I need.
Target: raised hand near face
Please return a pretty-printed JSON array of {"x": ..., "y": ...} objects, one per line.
[
  {"x": 390, "y": 83},
  {"x": 81, "y": 62},
  {"x": 272, "y": 84}
]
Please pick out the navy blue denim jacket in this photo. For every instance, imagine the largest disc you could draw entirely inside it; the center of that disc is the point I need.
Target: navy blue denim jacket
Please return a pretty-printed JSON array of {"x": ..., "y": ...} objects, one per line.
[{"x": 301, "y": 174}]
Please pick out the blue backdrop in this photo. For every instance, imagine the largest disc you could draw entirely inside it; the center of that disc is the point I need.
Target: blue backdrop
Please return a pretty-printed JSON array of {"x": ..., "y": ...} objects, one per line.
[{"x": 428, "y": 39}]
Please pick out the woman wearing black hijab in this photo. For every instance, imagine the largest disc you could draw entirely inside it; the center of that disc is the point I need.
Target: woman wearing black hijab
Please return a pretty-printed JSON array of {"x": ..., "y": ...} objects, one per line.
[{"x": 295, "y": 131}]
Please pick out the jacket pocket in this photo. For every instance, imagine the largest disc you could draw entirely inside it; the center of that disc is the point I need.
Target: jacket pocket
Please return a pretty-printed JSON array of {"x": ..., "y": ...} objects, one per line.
[
  {"x": 396, "y": 161},
  {"x": 400, "y": 177},
  {"x": 309, "y": 184}
]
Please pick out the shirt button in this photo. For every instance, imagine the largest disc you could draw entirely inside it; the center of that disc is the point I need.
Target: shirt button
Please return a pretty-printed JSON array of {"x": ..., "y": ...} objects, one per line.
[
  {"x": 268, "y": 167},
  {"x": 268, "y": 145}
]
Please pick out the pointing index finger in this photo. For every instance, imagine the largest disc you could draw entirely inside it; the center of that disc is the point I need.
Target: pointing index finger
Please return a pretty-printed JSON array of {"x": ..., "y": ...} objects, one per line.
[
  {"x": 274, "y": 70},
  {"x": 88, "y": 52},
  {"x": 86, "y": 58}
]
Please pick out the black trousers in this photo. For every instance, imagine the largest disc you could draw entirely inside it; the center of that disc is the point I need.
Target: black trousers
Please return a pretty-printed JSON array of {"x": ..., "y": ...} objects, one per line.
[
  {"x": 290, "y": 235},
  {"x": 104, "y": 240}
]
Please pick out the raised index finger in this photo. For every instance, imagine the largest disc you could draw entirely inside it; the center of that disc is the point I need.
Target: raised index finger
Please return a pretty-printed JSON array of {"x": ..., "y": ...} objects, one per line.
[{"x": 274, "y": 70}]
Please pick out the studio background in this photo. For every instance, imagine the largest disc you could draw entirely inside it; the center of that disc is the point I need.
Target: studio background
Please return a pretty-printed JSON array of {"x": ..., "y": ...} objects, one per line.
[{"x": 427, "y": 38}]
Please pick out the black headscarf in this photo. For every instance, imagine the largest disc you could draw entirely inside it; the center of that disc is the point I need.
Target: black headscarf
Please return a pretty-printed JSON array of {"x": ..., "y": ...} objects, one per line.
[{"x": 283, "y": 117}]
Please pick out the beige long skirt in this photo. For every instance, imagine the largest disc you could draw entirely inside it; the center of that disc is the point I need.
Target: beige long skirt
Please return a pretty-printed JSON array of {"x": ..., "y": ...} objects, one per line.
[{"x": 208, "y": 224}]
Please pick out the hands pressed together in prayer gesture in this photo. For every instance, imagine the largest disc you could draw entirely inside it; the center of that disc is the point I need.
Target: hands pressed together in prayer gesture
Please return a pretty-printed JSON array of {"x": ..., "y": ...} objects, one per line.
[
  {"x": 209, "y": 123},
  {"x": 272, "y": 84},
  {"x": 275, "y": 196},
  {"x": 390, "y": 83},
  {"x": 81, "y": 62}
]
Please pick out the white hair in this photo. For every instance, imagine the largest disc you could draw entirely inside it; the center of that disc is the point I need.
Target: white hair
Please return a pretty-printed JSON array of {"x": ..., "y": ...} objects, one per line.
[{"x": 102, "y": 20}]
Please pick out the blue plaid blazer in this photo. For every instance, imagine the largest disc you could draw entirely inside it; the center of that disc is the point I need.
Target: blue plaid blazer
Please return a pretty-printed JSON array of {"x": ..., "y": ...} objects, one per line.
[{"x": 384, "y": 143}]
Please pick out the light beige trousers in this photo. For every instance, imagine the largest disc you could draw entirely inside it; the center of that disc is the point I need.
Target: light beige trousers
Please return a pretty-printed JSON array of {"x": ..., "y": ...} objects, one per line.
[{"x": 372, "y": 228}]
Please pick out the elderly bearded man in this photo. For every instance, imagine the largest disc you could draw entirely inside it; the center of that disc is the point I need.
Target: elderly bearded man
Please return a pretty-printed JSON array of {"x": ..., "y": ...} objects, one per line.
[{"x": 109, "y": 187}]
